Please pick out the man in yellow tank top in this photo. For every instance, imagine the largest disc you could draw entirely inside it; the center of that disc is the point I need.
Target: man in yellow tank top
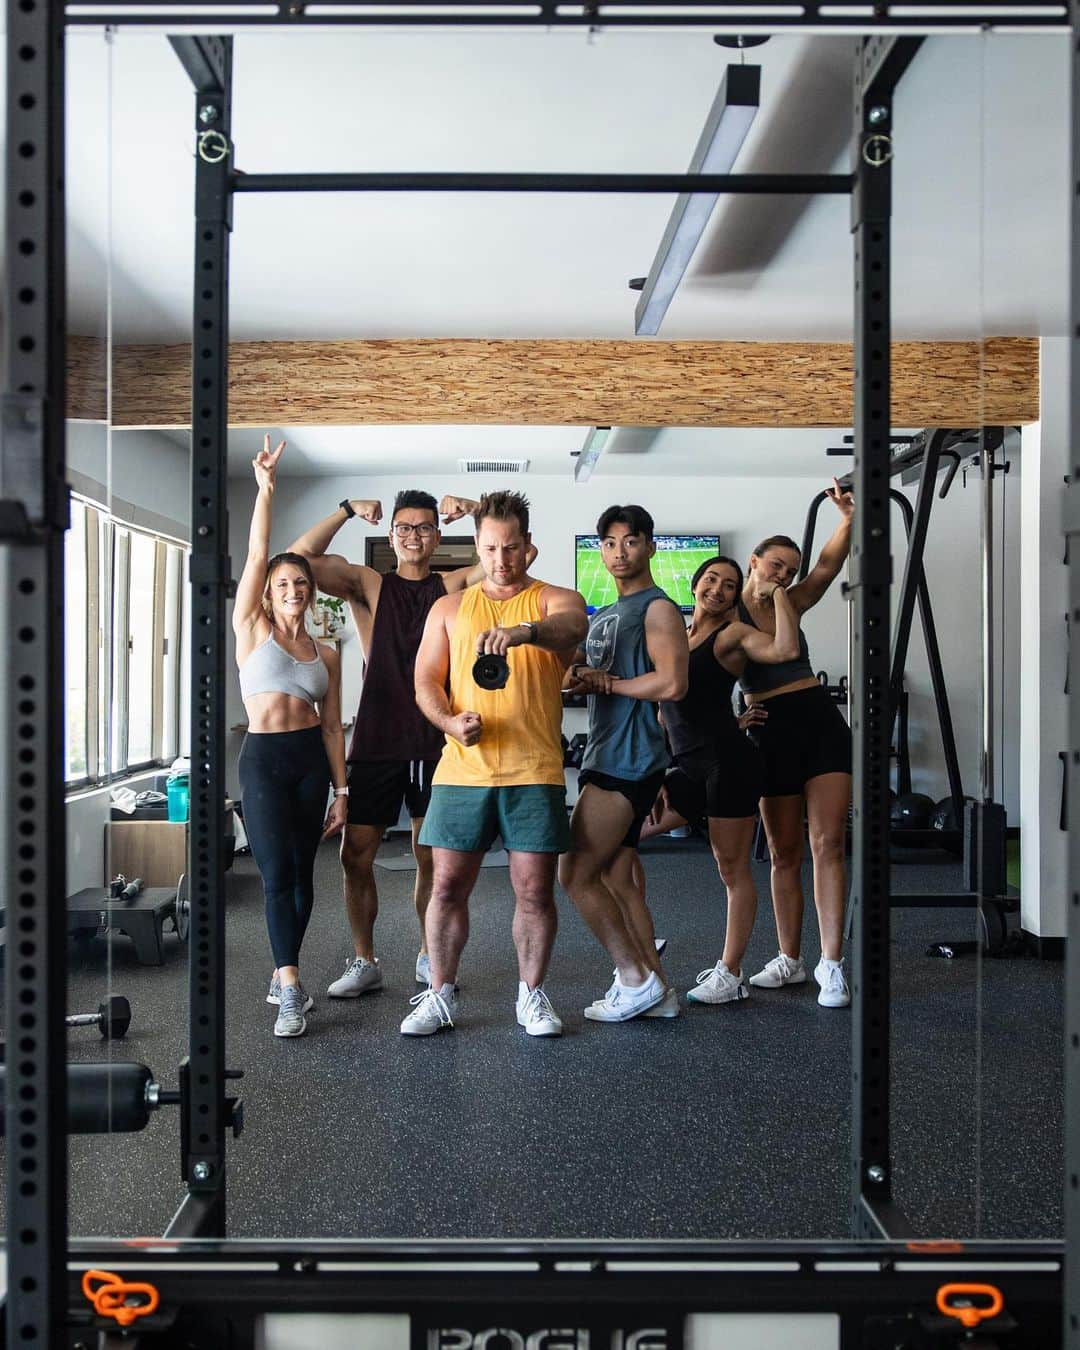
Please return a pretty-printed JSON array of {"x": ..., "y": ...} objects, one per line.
[{"x": 501, "y": 772}]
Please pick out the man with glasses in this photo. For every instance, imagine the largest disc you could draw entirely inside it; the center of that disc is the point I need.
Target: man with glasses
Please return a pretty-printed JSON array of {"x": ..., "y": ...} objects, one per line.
[{"x": 394, "y": 748}]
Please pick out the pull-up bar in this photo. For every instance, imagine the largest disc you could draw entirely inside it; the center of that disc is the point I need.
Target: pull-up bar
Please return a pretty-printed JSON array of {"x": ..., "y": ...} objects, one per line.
[{"x": 798, "y": 184}]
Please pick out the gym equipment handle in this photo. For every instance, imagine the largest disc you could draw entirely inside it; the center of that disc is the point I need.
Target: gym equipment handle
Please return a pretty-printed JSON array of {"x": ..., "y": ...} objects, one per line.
[
  {"x": 109, "y": 1294},
  {"x": 967, "y": 1313}
]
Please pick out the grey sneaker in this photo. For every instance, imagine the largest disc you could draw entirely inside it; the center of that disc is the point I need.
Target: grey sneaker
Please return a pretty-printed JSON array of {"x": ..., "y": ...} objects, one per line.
[
  {"x": 779, "y": 971},
  {"x": 360, "y": 977},
  {"x": 274, "y": 996},
  {"x": 717, "y": 984},
  {"x": 423, "y": 968},
  {"x": 290, "y": 1019},
  {"x": 535, "y": 1013},
  {"x": 620, "y": 1004},
  {"x": 431, "y": 1012}
]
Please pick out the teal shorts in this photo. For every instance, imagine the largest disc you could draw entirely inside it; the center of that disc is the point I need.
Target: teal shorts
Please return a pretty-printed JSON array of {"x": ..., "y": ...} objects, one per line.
[{"x": 531, "y": 819}]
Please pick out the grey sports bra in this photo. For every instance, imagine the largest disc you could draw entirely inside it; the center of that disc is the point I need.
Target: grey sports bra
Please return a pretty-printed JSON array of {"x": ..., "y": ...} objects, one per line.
[
  {"x": 759, "y": 678},
  {"x": 271, "y": 670}
]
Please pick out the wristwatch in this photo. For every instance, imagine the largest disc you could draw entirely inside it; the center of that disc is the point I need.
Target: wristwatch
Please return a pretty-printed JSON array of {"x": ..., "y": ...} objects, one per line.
[
  {"x": 346, "y": 506},
  {"x": 527, "y": 623}
]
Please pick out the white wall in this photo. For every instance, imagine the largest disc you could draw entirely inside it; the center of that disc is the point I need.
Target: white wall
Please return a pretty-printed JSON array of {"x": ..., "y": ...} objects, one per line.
[
  {"x": 144, "y": 469},
  {"x": 1044, "y": 706}
]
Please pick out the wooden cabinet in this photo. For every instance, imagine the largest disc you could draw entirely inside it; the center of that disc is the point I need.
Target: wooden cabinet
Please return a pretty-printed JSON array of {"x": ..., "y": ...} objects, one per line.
[{"x": 155, "y": 850}]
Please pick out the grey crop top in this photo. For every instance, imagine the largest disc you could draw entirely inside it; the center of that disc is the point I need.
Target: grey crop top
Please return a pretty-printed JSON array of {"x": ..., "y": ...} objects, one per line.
[
  {"x": 759, "y": 678},
  {"x": 271, "y": 670}
]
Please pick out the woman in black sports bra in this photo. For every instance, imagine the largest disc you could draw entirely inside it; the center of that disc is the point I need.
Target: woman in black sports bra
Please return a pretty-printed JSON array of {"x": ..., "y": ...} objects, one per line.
[
  {"x": 806, "y": 748},
  {"x": 719, "y": 771}
]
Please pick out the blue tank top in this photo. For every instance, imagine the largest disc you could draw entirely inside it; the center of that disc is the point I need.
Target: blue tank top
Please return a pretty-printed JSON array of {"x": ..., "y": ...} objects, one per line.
[{"x": 626, "y": 739}]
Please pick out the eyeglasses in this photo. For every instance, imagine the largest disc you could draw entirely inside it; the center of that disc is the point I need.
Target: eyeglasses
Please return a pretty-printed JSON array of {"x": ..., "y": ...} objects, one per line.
[{"x": 403, "y": 531}]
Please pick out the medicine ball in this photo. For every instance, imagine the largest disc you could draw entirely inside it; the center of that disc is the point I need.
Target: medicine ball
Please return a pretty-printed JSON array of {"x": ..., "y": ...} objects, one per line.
[
  {"x": 912, "y": 811},
  {"x": 944, "y": 817}
]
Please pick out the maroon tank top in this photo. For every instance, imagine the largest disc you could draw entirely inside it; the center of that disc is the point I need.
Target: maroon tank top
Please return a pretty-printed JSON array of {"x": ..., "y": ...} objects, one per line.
[{"x": 389, "y": 725}]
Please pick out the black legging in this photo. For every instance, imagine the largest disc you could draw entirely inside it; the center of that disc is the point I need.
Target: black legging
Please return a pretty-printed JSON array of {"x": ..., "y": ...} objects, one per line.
[{"x": 284, "y": 781}]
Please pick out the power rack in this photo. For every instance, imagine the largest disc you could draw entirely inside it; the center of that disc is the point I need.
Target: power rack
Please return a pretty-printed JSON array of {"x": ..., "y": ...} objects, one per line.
[{"x": 880, "y": 1290}]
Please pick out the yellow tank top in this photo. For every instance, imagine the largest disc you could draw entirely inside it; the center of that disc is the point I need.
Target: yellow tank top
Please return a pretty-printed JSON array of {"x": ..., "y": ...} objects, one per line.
[{"x": 522, "y": 721}]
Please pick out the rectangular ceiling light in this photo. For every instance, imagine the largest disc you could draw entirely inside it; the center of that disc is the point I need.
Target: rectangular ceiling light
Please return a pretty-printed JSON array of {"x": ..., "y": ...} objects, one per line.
[
  {"x": 725, "y": 129},
  {"x": 590, "y": 452}
]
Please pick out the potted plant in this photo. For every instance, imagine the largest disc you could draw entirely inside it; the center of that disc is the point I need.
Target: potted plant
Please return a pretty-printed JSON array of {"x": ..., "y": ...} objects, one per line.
[{"x": 330, "y": 614}]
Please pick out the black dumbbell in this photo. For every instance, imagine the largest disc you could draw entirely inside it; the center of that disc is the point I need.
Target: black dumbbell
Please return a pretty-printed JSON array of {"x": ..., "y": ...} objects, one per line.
[{"x": 112, "y": 1018}]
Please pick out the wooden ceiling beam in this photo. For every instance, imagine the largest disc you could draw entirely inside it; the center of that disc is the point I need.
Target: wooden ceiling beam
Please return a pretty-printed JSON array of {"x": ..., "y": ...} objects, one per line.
[{"x": 562, "y": 383}]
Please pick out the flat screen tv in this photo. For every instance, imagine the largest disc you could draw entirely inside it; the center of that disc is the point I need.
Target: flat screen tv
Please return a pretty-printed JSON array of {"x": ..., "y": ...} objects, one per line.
[{"x": 678, "y": 556}]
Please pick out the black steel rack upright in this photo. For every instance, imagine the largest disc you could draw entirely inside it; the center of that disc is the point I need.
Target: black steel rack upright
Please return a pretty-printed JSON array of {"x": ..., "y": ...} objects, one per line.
[{"x": 33, "y": 518}]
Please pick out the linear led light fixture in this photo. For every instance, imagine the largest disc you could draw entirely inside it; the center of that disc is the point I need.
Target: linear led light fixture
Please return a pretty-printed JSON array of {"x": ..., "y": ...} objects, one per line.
[
  {"x": 590, "y": 452},
  {"x": 732, "y": 112}
]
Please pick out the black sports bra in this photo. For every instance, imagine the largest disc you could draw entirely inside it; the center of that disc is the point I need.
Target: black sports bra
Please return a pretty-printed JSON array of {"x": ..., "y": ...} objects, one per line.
[{"x": 758, "y": 678}]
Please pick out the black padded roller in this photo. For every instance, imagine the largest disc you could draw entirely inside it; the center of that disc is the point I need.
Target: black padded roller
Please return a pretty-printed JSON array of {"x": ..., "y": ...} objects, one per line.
[{"x": 105, "y": 1098}]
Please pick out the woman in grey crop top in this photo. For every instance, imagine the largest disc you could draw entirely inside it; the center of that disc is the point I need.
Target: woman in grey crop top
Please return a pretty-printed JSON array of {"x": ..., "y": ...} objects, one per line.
[
  {"x": 294, "y": 747},
  {"x": 806, "y": 747}
]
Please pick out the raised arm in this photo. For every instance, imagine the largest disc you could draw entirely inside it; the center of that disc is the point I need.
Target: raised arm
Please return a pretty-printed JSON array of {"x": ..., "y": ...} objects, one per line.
[
  {"x": 768, "y": 649},
  {"x": 334, "y": 574},
  {"x": 669, "y": 652},
  {"x": 455, "y": 508},
  {"x": 248, "y": 610},
  {"x": 806, "y": 593},
  {"x": 431, "y": 671}
]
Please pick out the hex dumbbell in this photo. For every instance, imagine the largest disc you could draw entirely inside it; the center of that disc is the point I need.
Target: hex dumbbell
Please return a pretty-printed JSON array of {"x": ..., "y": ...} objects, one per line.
[{"x": 112, "y": 1018}]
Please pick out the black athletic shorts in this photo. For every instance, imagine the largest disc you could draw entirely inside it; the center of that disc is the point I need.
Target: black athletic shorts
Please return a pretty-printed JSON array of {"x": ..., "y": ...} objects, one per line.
[
  {"x": 377, "y": 787},
  {"x": 804, "y": 736},
  {"x": 639, "y": 792},
  {"x": 725, "y": 783}
]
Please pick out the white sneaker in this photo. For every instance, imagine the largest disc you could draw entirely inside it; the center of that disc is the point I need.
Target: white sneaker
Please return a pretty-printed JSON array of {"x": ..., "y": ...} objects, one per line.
[
  {"x": 667, "y": 1007},
  {"x": 423, "y": 968},
  {"x": 779, "y": 971},
  {"x": 431, "y": 1012},
  {"x": 535, "y": 1013},
  {"x": 718, "y": 985},
  {"x": 620, "y": 1003},
  {"x": 361, "y": 976},
  {"x": 834, "y": 986}
]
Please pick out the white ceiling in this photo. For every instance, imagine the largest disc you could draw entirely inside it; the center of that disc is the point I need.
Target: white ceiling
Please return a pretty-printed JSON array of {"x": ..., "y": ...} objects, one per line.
[{"x": 980, "y": 200}]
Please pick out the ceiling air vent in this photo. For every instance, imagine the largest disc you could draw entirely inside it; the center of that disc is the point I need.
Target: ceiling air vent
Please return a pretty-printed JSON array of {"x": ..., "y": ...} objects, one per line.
[{"x": 493, "y": 465}]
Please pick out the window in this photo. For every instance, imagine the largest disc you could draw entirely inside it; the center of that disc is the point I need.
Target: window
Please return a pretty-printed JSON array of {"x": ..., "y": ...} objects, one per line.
[{"x": 123, "y": 636}]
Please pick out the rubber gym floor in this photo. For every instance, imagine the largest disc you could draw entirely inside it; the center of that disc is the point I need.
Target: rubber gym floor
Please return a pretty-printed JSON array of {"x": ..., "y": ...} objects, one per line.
[{"x": 730, "y": 1122}]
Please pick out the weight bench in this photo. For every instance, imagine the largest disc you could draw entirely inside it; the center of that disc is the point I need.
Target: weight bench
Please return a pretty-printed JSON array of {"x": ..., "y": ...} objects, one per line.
[{"x": 141, "y": 919}]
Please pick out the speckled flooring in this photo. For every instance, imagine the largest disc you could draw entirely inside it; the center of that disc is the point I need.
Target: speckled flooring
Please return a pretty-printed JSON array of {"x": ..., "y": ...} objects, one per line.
[{"x": 730, "y": 1122}]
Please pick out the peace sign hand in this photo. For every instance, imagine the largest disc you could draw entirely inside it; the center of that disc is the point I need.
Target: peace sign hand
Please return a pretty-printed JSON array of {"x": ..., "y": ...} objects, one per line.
[
  {"x": 265, "y": 463},
  {"x": 842, "y": 498}
]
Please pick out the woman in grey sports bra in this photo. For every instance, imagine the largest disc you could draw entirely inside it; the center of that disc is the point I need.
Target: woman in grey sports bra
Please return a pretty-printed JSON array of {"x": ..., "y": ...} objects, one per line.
[
  {"x": 294, "y": 747},
  {"x": 806, "y": 746}
]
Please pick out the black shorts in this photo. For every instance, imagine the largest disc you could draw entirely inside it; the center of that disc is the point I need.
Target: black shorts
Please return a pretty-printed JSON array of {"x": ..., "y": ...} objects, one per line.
[
  {"x": 377, "y": 787},
  {"x": 804, "y": 736},
  {"x": 639, "y": 792},
  {"x": 725, "y": 783}
]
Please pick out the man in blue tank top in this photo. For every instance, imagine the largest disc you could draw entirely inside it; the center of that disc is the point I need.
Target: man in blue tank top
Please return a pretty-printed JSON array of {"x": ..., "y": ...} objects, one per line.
[
  {"x": 636, "y": 653},
  {"x": 394, "y": 749}
]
